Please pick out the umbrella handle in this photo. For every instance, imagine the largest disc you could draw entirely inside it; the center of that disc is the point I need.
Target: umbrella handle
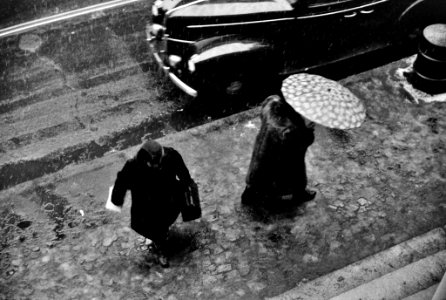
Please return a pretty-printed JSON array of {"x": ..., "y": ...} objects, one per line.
[{"x": 311, "y": 125}]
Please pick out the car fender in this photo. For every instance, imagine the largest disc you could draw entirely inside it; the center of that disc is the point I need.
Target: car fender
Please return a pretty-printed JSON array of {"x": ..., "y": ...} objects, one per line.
[
  {"x": 224, "y": 55},
  {"x": 422, "y": 13}
]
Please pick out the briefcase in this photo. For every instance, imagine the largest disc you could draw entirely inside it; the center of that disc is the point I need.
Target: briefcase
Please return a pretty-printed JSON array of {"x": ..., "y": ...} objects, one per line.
[{"x": 191, "y": 209}]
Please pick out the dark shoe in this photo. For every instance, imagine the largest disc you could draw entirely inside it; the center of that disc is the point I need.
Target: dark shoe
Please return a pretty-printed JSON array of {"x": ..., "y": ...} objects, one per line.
[
  {"x": 163, "y": 261},
  {"x": 310, "y": 195},
  {"x": 159, "y": 248},
  {"x": 306, "y": 196}
]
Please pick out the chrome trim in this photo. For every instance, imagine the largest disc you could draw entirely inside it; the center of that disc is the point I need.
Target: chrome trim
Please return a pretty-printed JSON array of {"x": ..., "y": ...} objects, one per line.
[
  {"x": 180, "y": 41},
  {"x": 183, "y": 6},
  {"x": 430, "y": 58},
  {"x": 352, "y": 15},
  {"x": 239, "y": 23},
  {"x": 342, "y": 11},
  {"x": 430, "y": 79},
  {"x": 179, "y": 83},
  {"x": 366, "y": 12},
  {"x": 224, "y": 49},
  {"x": 410, "y": 8},
  {"x": 335, "y": 3},
  {"x": 158, "y": 59}
]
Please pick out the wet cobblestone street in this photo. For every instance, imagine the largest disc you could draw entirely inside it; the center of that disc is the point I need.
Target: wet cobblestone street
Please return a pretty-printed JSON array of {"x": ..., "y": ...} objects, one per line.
[{"x": 377, "y": 186}]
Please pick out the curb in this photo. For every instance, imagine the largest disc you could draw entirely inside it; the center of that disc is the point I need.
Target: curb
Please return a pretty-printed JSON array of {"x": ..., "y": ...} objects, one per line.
[
  {"x": 401, "y": 283},
  {"x": 82, "y": 155},
  {"x": 380, "y": 272},
  {"x": 424, "y": 294}
]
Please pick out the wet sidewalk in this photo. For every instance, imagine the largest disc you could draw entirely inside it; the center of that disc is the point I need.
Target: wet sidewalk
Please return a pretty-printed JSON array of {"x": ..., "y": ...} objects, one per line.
[{"x": 377, "y": 185}]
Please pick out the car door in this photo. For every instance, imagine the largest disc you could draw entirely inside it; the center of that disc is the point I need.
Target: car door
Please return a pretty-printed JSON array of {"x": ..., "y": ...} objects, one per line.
[{"x": 329, "y": 30}]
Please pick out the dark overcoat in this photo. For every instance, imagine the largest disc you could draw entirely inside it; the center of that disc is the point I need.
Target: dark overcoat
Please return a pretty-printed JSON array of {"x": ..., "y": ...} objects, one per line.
[
  {"x": 277, "y": 165},
  {"x": 156, "y": 193}
]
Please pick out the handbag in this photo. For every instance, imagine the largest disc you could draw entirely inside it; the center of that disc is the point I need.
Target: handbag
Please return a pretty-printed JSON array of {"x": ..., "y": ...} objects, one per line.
[{"x": 191, "y": 209}]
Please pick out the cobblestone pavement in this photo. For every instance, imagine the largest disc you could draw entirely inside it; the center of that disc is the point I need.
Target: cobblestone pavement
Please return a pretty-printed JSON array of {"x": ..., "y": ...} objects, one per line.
[{"x": 377, "y": 185}]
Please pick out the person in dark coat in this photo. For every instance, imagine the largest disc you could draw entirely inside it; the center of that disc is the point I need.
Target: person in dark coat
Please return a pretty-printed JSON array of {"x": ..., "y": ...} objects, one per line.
[
  {"x": 156, "y": 177},
  {"x": 277, "y": 172}
]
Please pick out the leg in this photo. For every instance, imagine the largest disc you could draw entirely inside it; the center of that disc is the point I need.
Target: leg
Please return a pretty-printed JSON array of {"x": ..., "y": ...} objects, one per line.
[
  {"x": 252, "y": 195},
  {"x": 248, "y": 196},
  {"x": 160, "y": 247},
  {"x": 301, "y": 193}
]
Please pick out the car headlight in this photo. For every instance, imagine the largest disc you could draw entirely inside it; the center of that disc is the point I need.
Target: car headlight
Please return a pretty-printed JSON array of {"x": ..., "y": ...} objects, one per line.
[
  {"x": 174, "y": 60},
  {"x": 157, "y": 31},
  {"x": 157, "y": 8}
]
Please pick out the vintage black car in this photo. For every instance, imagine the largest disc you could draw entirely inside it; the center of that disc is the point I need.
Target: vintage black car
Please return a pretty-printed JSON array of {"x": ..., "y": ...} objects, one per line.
[{"x": 234, "y": 45}]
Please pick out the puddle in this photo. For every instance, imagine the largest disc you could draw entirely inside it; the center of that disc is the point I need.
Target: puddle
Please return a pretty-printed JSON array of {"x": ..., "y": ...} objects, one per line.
[
  {"x": 11, "y": 226},
  {"x": 340, "y": 136},
  {"x": 84, "y": 49},
  {"x": 57, "y": 208},
  {"x": 24, "y": 224},
  {"x": 30, "y": 42}
]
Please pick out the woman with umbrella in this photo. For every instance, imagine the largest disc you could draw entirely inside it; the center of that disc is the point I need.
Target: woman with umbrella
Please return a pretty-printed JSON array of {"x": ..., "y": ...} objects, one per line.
[{"x": 277, "y": 172}]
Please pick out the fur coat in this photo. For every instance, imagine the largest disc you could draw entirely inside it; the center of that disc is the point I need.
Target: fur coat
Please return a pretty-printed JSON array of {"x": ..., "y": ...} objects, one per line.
[{"x": 277, "y": 165}]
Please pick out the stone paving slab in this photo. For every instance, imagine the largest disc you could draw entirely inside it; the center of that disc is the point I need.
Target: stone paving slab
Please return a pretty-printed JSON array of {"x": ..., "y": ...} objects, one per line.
[{"x": 378, "y": 185}]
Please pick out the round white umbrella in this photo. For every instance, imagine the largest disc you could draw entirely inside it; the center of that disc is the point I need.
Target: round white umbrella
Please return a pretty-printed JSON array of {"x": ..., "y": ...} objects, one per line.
[{"x": 323, "y": 101}]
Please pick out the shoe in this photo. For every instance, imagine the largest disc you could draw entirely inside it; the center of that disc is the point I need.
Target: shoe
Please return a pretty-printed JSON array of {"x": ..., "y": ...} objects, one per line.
[
  {"x": 163, "y": 261},
  {"x": 310, "y": 195},
  {"x": 306, "y": 196}
]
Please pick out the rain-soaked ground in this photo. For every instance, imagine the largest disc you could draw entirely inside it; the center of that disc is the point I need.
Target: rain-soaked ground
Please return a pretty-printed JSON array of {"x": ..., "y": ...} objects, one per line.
[
  {"x": 377, "y": 185},
  {"x": 74, "y": 90},
  {"x": 77, "y": 91},
  {"x": 15, "y": 12}
]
